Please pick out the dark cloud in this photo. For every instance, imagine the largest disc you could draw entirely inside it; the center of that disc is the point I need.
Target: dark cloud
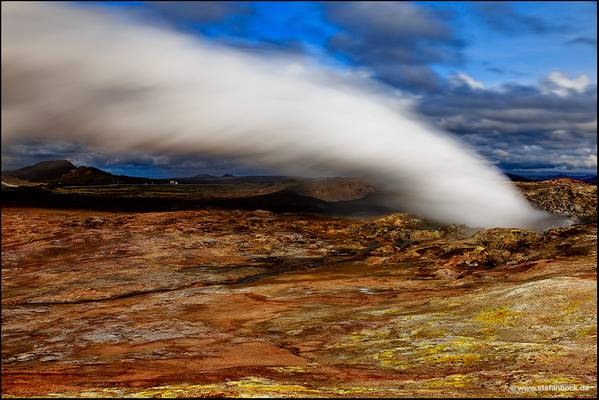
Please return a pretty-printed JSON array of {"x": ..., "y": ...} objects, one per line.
[
  {"x": 198, "y": 11},
  {"x": 584, "y": 40},
  {"x": 397, "y": 41},
  {"x": 415, "y": 77},
  {"x": 522, "y": 127},
  {"x": 502, "y": 71},
  {"x": 503, "y": 17},
  {"x": 394, "y": 21}
]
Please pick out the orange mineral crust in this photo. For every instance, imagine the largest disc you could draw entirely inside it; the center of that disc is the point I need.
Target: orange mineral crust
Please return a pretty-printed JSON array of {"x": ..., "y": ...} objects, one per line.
[{"x": 224, "y": 302}]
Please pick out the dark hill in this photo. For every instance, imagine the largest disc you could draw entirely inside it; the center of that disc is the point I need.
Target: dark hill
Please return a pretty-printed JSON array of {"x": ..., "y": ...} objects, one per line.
[
  {"x": 45, "y": 171},
  {"x": 542, "y": 178},
  {"x": 200, "y": 177},
  {"x": 89, "y": 176},
  {"x": 64, "y": 173}
]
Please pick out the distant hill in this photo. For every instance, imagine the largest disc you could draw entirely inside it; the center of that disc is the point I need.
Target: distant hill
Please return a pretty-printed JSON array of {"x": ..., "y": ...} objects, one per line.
[
  {"x": 45, "y": 171},
  {"x": 555, "y": 177},
  {"x": 201, "y": 176},
  {"x": 565, "y": 178},
  {"x": 584, "y": 178},
  {"x": 64, "y": 173},
  {"x": 558, "y": 181},
  {"x": 90, "y": 176}
]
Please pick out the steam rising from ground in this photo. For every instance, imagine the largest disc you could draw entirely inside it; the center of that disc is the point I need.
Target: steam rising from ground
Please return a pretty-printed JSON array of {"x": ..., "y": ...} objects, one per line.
[{"x": 121, "y": 85}]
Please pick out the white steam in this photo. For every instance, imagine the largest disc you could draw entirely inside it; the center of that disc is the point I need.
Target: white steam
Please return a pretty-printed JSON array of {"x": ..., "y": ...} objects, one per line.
[{"x": 121, "y": 85}]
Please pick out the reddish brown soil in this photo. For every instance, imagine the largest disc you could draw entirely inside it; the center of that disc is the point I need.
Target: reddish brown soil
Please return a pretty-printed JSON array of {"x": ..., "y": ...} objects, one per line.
[{"x": 252, "y": 303}]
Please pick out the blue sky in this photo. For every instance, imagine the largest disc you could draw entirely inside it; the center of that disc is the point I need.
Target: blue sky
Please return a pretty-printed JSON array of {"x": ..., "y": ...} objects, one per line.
[
  {"x": 524, "y": 54},
  {"x": 528, "y": 55},
  {"x": 517, "y": 80}
]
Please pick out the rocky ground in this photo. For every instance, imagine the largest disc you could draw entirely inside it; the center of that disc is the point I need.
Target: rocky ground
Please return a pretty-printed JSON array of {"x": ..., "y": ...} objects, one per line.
[{"x": 255, "y": 303}]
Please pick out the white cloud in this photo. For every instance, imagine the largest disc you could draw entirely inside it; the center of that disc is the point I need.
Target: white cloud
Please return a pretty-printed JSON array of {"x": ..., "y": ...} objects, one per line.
[
  {"x": 575, "y": 161},
  {"x": 590, "y": 127},
  {"x": 501, "y": 153},
  {"x": 460, "y": 79},
  {"x": 559, "y": 84}
]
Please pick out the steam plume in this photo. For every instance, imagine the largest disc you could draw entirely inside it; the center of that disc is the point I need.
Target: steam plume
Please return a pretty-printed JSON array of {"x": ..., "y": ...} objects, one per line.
[{"x": 121, "y": 85}]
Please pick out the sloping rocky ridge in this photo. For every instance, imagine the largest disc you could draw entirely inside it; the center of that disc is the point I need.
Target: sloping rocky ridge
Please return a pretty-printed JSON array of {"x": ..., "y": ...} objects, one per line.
[
  {"x": 44, "y": 171},
  {"x": 574, "y": 199},
  {"x": 256, "y": 303}
]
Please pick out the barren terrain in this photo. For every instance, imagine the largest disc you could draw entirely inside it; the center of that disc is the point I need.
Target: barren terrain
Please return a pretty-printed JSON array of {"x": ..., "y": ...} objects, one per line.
[{"x": 242, "y": 302}]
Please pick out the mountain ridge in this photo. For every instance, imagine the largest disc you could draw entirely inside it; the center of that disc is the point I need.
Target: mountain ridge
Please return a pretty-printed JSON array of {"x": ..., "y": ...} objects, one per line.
[
  {"x": 64, "y": 172},
  {"x": 44, "y": 171}
]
